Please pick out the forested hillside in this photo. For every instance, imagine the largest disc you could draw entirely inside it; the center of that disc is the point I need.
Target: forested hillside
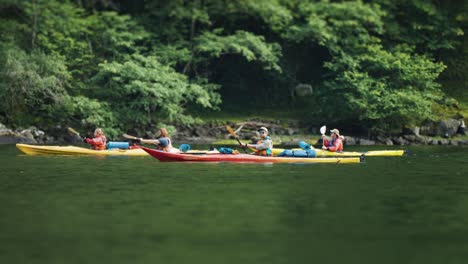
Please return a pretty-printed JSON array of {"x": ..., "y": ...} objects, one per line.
[{"x": 135, "y": 65}]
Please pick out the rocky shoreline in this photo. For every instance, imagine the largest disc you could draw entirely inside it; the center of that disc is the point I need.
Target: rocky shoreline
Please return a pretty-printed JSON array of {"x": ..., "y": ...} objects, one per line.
[{"x": 445, "y": 132}]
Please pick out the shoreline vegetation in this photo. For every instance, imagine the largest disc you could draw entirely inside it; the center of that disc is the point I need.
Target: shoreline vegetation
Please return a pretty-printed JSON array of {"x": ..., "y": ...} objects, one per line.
[
  {"x": 392, "y": 72},
  {"x": 283, "y": 134}
]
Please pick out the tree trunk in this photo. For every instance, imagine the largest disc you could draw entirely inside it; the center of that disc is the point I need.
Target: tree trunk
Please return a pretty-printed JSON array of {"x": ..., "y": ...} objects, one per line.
[{"x": 34, "y": 25}]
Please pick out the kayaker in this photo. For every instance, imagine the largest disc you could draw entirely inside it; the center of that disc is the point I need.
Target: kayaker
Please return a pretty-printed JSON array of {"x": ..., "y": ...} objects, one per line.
[
  {"x": 335, "y": 143},
  {"x": 163, "y": 142},
  {"x": 99, "y": 140},
  {"x": 264, "y": 146}
]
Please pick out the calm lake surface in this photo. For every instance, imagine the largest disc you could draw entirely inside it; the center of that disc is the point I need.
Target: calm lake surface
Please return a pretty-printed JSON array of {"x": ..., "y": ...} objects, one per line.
[{"x": 59, "y": 209}]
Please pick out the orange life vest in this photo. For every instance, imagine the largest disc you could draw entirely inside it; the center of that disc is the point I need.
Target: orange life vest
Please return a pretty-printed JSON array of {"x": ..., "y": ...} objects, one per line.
[
  {"x": 334, "y": 145},
  {"x": 97, "y": 143},
  {"x": 263, "y": 152}
]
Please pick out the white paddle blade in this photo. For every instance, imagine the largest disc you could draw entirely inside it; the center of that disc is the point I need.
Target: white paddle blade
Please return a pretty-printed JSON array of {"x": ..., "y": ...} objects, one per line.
[
  {"x": 323, "y": 129},
  {"x": 129, "y": 137},
  {"x": 73, "y": 131}
]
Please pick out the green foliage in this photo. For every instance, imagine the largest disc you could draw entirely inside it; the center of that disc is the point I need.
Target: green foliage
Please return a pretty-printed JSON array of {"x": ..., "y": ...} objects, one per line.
[
  {"x": 84, "y": 39},
  {"x": 379, "y": 87},
  {"x": 112, "y": 36},
  {"x": 91, "y": 114},
  {"x": 33, "y": 87},
  {"x": 420, "y": 23},
  {"x": 143, "y": 92},
  {"x": 376, "y": 62},
  {"x": 388, "y": 89},
  {"x": 58, "y": 28},
  {"x": 249, "y": 46}
]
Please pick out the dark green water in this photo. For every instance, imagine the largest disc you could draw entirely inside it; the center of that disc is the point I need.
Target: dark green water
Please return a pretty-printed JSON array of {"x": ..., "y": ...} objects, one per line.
[{"x": 412, "y": 209}]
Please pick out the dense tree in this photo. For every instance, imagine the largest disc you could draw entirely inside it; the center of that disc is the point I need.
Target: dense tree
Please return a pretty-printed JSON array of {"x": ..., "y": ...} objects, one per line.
[
  {"x": 33, "y": 87},
  {"x": 135, "y": 64}
]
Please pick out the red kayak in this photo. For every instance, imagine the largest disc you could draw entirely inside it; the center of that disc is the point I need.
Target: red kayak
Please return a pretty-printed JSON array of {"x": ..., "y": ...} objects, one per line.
[{"x": 242, "y": 158}]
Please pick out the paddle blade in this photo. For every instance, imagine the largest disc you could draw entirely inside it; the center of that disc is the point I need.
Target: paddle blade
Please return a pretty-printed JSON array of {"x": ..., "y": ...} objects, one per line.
[
  {"x": 73, "y": 131},
  {"x": 323, "y": 129},
  {"x": 129, "y": 137},
  {"x": 231, "y": 131}
]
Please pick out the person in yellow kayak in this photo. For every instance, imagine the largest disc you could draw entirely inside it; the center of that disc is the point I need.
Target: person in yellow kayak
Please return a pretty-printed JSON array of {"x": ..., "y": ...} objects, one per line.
[
  {"x": 264, "y": 146},
  {"x": 98, "y": 142},
  {"x": 163, "y": 142},
  {"x": 333, "y": 143}
]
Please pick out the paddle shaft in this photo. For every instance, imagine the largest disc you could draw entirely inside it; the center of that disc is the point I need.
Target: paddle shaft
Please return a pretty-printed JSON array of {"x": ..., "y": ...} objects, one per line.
[
  {"x": 74, "y": 132},
  {"x": 231, "y": 131},
  {"x": 130, "y": 137}
]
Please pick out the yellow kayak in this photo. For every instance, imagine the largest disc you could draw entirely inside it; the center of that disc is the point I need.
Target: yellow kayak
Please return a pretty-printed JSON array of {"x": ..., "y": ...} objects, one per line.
[
  {"x": 72, "y": 150},
  {"x": 372, "y": 153}
]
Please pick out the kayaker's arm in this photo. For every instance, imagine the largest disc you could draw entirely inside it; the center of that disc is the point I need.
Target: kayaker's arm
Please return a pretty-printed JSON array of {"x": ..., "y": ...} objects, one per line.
[
  {"x": 149, "y": 141},
  {"x": 264, "y": 145}
]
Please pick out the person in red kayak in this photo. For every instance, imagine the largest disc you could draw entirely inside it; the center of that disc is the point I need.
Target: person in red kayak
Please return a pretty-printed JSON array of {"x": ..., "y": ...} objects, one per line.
[
  {"x": 334, "y": 143},
  {"x": 264, "y": 146},
  {"x": 99, "y": 140},
  {"x": 163, "y": 142}
]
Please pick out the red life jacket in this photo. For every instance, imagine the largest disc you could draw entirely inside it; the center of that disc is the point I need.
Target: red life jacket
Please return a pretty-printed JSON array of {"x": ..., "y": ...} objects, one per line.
[
  {"x": 97, "y": 143},
  {"x": 334, "y": 145}
]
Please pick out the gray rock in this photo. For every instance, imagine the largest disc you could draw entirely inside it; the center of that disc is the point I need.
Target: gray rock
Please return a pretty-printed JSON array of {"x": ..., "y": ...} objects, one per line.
[
  {"x": 415, "y": 130},
  {"x": 5, "y": 132},
  {"x": 388, "y": 142},
  {"x": 302, "y": 90},
  {"x": 292, "y": 131},
  {"x": 366, "y": 142},
  {"x": 410, "y": 138},
  {"x": 38, "y": 133},
  {"x": 416, "y": 139},
  {"x": 448, "y": 127},
  {"x": 443, "y": 142},
  {"x": 29, "y": 136},
  {"x": 49, "y": 140},
  {"x": 426, "y": 140},
  {"x": 454, "y": 142},
  {"x": 428, "y": 129},
  {"x": 202, "y": 131},
  {"x": 350, "y": 141},
  {"x": 400, "y": 141}
]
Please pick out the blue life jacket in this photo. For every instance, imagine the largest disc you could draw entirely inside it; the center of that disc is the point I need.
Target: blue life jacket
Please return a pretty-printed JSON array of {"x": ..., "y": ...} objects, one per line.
[{"x": 268, "y": 150}]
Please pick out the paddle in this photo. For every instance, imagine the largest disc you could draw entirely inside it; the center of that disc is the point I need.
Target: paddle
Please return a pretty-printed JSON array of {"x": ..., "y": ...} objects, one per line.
[
  {"x": 323, "y": 129},
  {"x": 183, "y": 147},
  {"x": 231, "y": 131},
  {"x": 74, "y": 132},
  {"x": 127, "y": 136}
]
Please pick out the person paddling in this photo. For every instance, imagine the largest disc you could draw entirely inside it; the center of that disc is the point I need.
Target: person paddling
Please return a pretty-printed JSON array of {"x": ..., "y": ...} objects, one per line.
[
  {"x": 163, "y": 142},
  {"x": 98, "y": 142},
  {"x": 335, "y": 143},
  {"x": 264, "y": 146}
]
